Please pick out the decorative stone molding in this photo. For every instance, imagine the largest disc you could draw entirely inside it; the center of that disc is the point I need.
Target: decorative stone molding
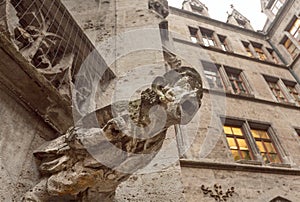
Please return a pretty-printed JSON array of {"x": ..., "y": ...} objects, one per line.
[
  {"x": 172, "y": 60},
  {"x": 160, "y": 7},
  {"x": 50, "y": 49},
  {"x": 217, "y": 192},
  {"x": 103, "y": 149}
]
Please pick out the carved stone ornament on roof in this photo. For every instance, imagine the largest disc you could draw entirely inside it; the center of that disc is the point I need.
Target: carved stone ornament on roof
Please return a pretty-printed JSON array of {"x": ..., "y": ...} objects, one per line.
[
  {"x": 103, "y": 149},
  {"x": 160, "y": 7}
]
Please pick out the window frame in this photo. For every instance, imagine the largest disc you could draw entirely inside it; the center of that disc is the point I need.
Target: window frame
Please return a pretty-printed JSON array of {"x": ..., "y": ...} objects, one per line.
[
  {"x": 194, "y": 34},
  {"x": 208, "y": 39},
  {"x": 296, "y": 25},
  {"x": 247, "y": 48},
  {"x": 247, "y": 126},
  {"x": 276, "y": 81},
  {"x": 224, "y": 43},
  {"x": 292, "y": 52},
  {"x": 238, "y": 124},
  {"x": 295, "y": 95},
  {"x": 212, "y": 67},
  {"x": 276, "y": 7},
  {"x": 235, "y": 78}
]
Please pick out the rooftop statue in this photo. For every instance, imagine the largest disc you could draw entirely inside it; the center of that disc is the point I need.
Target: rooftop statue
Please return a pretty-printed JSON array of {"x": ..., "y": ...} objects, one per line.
[{"x": 105, "y": 147}]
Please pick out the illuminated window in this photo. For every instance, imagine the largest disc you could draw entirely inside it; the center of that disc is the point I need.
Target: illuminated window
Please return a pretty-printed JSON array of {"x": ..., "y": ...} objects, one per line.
[
  {"x": 248, "y": 140},
  {"x": 224, "y": 44},
  {"x": 276, "y": 6},
  {"x": 207, "y": 37},
  {"x": 247, "y": 48},
  {"x": 291, "y": 87},
  {"x": 236, "y": 80},
  {"x": 237, "y": 143},
  {"x": 290, "y": 47},
  {"x": 212, "y": 75},
  {"x": 295, "y": 29},
  {"x": 260, "y": 53},
  {"x": 193, "y": 34},
  {"x": 258, "y": 49},
  {"x": 265, "y": 146},
  {"x": 276, "y": 90}
]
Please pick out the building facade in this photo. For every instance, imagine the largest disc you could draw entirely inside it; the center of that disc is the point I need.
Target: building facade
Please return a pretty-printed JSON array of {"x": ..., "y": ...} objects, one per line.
[{"x": 63, "y": 59}]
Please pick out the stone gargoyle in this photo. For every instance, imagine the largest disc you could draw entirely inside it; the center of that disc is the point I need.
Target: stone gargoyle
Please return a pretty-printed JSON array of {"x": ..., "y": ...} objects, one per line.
[{"x": 110, "y": 144}]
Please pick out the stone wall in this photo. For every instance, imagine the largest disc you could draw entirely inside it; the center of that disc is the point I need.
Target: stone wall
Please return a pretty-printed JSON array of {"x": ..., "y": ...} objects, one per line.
[
  {"x": 248, "y": 186},
  {"x": 21, "y": 132}
]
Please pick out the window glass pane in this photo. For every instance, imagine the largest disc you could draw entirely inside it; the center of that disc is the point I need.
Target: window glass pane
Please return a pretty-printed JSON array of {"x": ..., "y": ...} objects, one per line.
[
  {"x": 255, "y": 133},
  {"x": 237, "y": 131},
  {"x": 231, "y": 143},
  {"x": 205, "y": 42},
  {"x": 270, "y": 147},
  {"x": 235, "y": 155},
  {"x": 275, "y": 158},
  {"x": 242, "y": 144},
  {"x": 194, "y": 39},
  {"x": 227, "y": 130},
  {"x": 260, "y": 146},
  {"x": 265, "y": 158},
  {"x": 246, "y": 155}
]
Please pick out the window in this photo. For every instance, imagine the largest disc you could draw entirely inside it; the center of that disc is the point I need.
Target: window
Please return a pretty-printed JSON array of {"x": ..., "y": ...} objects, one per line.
[
  {"x": 236, "y": 81},
  {"x": 193, "y": 34},
  {"x": 224, "y": 44},
  {"x": 247, "y": 48},
  {"x": 276, "y": 90},
  {"x": 207, "y": 37},
  {"x": 295, "y": 29},
  {"x": 273, "y": 55},
  {"x": 290, "y": 47},
  {"x": 237, "y": 143},
  {"x": 251, "y": 141},
  {"x": 276, "y": 6},
  {"x": 291, "y": 87},
  {"x": 212, "y": 75},
  {"x": 258, "y": 49},
  {"x": 225, "y": 78},
  {"x": 260, "y": 53},
  {"x": 265, "y": 146}
]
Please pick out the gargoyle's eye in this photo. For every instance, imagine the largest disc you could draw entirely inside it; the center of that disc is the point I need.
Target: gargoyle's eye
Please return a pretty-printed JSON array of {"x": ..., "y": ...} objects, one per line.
[{"x": 188, "y": 107}]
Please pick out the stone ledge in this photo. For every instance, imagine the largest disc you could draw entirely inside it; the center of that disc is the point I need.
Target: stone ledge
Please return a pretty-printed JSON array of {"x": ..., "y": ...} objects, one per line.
[
  {"x": 239, "y": 167},
  {"x": 229, "y": 53}
]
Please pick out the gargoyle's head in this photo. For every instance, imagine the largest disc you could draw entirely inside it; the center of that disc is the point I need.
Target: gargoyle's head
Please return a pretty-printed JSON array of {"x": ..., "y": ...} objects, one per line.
[{"x": 180, "y": 91}]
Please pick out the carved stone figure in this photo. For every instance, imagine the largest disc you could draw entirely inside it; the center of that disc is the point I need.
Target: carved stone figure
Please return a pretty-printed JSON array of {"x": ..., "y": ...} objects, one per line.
[
  {"x": 160, "y": 6},
  {"x": 107, "y": 146}
]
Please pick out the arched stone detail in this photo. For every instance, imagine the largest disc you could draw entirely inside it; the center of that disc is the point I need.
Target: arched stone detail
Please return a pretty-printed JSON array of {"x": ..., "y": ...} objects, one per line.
[{"x": 280, "y": 199}]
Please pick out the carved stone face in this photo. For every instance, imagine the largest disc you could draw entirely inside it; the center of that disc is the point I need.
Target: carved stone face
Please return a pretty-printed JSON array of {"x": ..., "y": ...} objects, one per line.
[{"x": 181, "y": 91}]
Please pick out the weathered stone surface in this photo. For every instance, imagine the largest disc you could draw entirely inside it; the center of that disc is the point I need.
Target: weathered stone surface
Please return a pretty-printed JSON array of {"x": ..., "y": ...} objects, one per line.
[
  {"x": 21, "y": 132},
  {"x": 105, "y": 148}
]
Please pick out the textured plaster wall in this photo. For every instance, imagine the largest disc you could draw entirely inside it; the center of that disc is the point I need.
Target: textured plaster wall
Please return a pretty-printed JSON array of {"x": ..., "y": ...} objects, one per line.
[{"x": 21, "y": 132}]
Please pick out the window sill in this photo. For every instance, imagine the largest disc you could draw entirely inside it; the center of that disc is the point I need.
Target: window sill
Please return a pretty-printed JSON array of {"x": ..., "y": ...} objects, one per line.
[
  {"x": 244, "y": 94},
  {"x": 250, "y": 162},
  {"x": 281, "y": 165}
]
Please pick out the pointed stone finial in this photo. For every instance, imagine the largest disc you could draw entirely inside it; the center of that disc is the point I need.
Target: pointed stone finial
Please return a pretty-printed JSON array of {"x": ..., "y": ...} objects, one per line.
[{"x": 232, "y": 6}]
